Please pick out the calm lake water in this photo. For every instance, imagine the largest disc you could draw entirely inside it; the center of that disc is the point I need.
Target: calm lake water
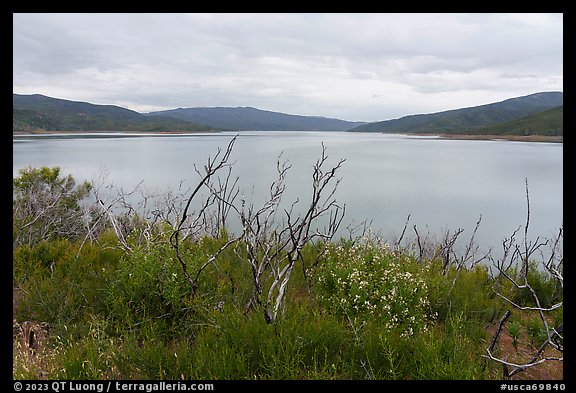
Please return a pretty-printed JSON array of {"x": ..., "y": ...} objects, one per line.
[{"x": 442, "y": 184}]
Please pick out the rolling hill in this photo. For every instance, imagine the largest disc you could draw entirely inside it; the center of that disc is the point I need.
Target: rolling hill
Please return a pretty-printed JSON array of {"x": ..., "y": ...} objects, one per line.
[
  {"x": 253, "y": 119},
  {"x": 549, "y": 122},
  {"x": 535, "y": 114},
  {"x": 37, "y": 112},
  {"x": 468, "y": 120}
]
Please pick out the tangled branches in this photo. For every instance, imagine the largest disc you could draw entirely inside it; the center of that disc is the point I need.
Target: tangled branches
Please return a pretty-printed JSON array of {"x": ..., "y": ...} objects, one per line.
[
  {"x": 514, "y": 268},
  {"x": 272, "y": 247}
]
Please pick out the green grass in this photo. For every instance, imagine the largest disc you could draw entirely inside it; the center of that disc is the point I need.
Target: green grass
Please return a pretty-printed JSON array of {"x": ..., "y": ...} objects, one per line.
[{"x": 134, "y": 316}]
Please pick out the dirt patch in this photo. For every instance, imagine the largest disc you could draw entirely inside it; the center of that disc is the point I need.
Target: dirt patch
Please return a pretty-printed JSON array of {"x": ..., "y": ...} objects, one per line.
[{"x": 523, "y": 353}]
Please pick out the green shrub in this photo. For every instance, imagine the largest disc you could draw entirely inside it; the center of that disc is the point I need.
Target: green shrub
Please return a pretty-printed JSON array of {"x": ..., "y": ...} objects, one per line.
[
  {"x": 468, "y": 291},
  {"x": 445, "y": 351},
  {"x": 448, "y": 351},
  {"x": 58, "y": 284},
  {"x": 40, "y": 259},
  {"x": 514, "y": 331},
  {"x": 536, "y": 331},
  {"x": 46, "y": 205},
  {"x": 146, "y": 285},
  {"x": 302, "y": 345},
  {"x": 544, "y": 285},
  {"x": 368, "y": 280}
]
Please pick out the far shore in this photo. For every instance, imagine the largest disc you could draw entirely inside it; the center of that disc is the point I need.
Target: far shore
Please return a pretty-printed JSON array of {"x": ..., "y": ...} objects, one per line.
[
  {"x": 44, "y": 132},
  {"x": 487, "y": 137},
  {"x": 483, "y": 137}
]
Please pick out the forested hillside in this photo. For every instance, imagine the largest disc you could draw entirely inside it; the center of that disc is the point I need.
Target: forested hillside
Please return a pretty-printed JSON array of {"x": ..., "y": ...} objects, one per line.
[
  {"x": 246, "y": 118},
  {"x": 466, "y": 120},
  {"x": 40, "y": 113}
]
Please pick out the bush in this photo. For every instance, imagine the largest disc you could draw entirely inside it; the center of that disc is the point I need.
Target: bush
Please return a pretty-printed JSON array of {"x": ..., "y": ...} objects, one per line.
[
  {"x": 470, "y": 293},
  {"x": 302, "y": 345},
  {"x": 370, "y": 281},
  {"x": 536, "y": 331},
  {"x": 46, "y": 205},
  {"x": 58, "y": 283},
  {"x": 147, "y": 285},
  {"x": 545, "y": 286}
]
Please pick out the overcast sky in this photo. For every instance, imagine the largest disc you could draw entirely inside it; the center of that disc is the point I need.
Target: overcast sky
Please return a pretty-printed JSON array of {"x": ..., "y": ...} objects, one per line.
[{"x": 365, "y": 67}]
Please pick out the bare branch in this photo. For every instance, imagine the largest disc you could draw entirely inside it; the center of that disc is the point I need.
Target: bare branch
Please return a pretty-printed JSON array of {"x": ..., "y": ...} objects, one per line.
[
  {"x": 554, "y": 307},
  {"x": 299, "y": 231},
  {"x": 213, "y": 165},
  {"x": 514, "y": 253},
  {"x": 399, "y": 241},
  {"x": 519, "y": 367}
]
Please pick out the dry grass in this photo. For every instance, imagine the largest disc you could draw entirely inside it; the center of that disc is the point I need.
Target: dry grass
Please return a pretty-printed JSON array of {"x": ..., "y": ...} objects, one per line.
[{"x": 32, "y": 356}]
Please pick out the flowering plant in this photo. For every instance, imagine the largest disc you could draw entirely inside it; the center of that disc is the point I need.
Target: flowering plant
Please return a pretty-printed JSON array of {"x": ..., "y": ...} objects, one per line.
[{"x": 370, "y": 280}]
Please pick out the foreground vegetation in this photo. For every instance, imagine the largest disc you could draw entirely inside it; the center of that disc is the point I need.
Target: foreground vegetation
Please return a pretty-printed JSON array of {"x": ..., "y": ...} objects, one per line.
[{"x": 111, "y": 300}]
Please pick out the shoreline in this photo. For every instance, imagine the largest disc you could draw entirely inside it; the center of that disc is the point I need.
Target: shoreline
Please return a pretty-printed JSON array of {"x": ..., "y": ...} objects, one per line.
[
  {"x": 480, "y": 137},
  {"x": 489, "y": 137},
  {"x": 44, "y": 132}
]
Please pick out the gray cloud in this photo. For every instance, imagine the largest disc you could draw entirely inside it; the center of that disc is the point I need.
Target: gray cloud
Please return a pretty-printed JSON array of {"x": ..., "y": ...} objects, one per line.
[{"x": 350, "y": 66}]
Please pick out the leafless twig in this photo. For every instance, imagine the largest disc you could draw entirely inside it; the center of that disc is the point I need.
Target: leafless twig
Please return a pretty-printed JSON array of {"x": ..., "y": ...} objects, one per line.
[
  {"x": 520, "y": 256},
  {"x": 212, "y": 166}
]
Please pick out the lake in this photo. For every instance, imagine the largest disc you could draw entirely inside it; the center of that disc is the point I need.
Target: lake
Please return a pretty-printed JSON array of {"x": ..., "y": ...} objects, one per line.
[{"x": 442, "y": 184}]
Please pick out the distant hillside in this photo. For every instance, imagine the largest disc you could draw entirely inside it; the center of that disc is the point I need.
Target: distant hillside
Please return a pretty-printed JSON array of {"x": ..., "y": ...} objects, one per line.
[
  {"x": 465, "y": 120},
  {"x": 37, "y": 112},
  {"x": 535, "y": 114},
  {"x": 548, "y": 122},
  {"x": 252, "y": 119}
]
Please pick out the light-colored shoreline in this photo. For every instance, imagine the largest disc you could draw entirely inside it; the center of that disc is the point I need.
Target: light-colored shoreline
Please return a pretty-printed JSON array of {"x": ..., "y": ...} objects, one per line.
[{"x": 513, "y": 138}]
